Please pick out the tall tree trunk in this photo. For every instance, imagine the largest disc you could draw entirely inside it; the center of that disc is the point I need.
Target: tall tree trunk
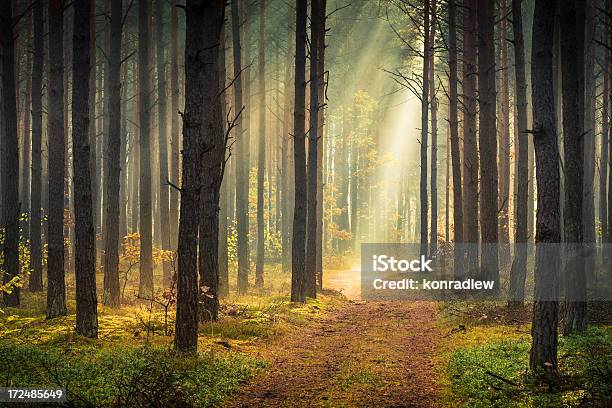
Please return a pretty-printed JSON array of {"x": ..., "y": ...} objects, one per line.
[
  {"x": 145, "y": 196},
  {"x": 10, "y": 162},
  {"x": 93, "y": 136},
  {"x": 578, "y": 132},
  {"x": 162, "y": 128},
  {"x": 470, "y": 149},
  {"x": 434, "y": 134},
  {"x": 519, "y": 265},
  {"x": 85, "y": 255},
  {"x": 36, "y": 184},
  {"x": 242, "y": 167},
  {"x": 56, "y": 287},
  {"x": 424, "y": 126},
  {"x": 226, "y": 183},
  {"x": 544, "y": 326},
  {"x": 113, "y": 167},
  {"x": 298, "y": 252},
  {"x": 605, "y": 128},
  {"x": 24, "y": 188},
  {"x": 454, "y": 141},
  {"x": 261, "y": 149},
  {"x": 286, "y": 140},
  {"x": 213, "y": 159},
  {"x": 504, "y": 143},
  {"x": 310, "y": 286},
  {"x": 174, "y": 125},
  {"x": 321, "y": 142},
  {"x": 487, "y": 141}
]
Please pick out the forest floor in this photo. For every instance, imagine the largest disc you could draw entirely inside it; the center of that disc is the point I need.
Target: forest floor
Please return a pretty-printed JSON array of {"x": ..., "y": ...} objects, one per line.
[{"x": 370, "y": 354}]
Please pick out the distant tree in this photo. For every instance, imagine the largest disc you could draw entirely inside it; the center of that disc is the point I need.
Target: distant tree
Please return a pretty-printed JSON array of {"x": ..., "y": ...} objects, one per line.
[
  {"x": 470, "y": 146},
  {"x": 85, "y": 255},
  {"x": 242, "y": 167},
  {"x": 174, "y": 123},
  {"x": 56, "y": 287},
  {"x": 454, "y": 139},
  {"x": 487, "y": 140},
  {"x": 162, "y": 129},
  {"x": 10, "y": 162},
  {"x": 146, "y": 214},
  {"x": 36, "y": 280},
  {"x": 261, "y": 146},
  {"x": 433, "y": 102},
  {"x": 425, "y": 126},
  {"x": 519, "y": 265}
]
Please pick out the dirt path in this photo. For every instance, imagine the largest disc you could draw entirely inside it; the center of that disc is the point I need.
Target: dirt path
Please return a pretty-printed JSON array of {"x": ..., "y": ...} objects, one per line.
[{"x": 366, "y": 354}]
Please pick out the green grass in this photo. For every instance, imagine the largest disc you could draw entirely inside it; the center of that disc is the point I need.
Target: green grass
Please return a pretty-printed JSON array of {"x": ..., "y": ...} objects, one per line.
[
  {"x": 585, "y": 367},
  {"x": 126, "y": 375}
]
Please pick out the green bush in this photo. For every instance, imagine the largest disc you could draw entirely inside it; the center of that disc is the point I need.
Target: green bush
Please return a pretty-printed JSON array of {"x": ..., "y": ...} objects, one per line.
[{"x": 126, "y": 377}]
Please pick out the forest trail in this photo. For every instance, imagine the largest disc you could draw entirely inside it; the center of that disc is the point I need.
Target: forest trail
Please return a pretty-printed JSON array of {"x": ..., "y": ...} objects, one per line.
[{"x": 365, "y": 354}]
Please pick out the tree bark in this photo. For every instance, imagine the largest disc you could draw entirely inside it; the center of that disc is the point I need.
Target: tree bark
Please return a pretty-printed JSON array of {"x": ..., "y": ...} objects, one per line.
[
  {"x": 470, "y": 150},
  {"x": 36, "y": 183},
  {"x": 199, "y": 73},
  {"x": 24, "y": 188},
  {"x": 213, "y": 161},
  {"x": 298, "y": 252},
  {"x": 434, "y": 134},
  {"x": 144, "y": 79},
  {"x": 310, "y": 286},
  {"x": 56, "y": 287},
  {"x": 85, "y": 256},
  {"x": 174, "y": 125},
  {"x": 487, "y": 141},
  {"x": 454, "y": 142},
  {"x": 544, "y": 326},
  {"x": 261, "y": 147},
  {"x": 162, "y": 128},
  {"x": 10, "y": 162},
  {"x": 424, "y": 127},
  {"x": 242, "y": 167},
  {"x": 113, "y": 167},
  {"x": 519, "y": 265},
  {"x": 504, "y": 143}
]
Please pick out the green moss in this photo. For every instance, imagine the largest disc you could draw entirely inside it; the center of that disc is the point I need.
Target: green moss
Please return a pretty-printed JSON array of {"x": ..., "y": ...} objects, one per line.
[{"x": 496, "y": 374}]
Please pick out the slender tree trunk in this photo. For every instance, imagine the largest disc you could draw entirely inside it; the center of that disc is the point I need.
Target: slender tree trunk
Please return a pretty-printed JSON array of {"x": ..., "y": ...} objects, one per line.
[
  {"x": 434, "y": 134},
  {"x": 470, "y": 149},
  {"x": 24, "y": 188},
  {"x": 242, "y": 167},
  {"x": 519, "y": 265},
  {"x": 578, "y": 132},
  {"x": 286, "y": 140},
  {"x": 261, "y": 149},
  {"x": 487, "y": 140},
  {"x": 10, "y": 162},
  {"x": 504, "y": 145},
  {"x": 85, "y": 255},
  {"x": 226, "y": 183},
  {"x": 213, "y": 159},
  {"x": 145, "y": 196},
  {"x": 93, "y": 136},
  {"x": 425, "y": 126},
  {"x": 298, "y": 253},
  {"x": 56, "y": 290},
  {"x": 36, "y": 185},
  {"x": 545, "y": 321},
  {"x": 174, "y": 125},
  {"x": 605, "y": 128},
  {"x": 162, "y": 128},
  {"x": 113, "y": 167},
  {"x": 310, "y": 286},
  {"x": 322, "y": 136},
  {"x": 454, "y": 141}
]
